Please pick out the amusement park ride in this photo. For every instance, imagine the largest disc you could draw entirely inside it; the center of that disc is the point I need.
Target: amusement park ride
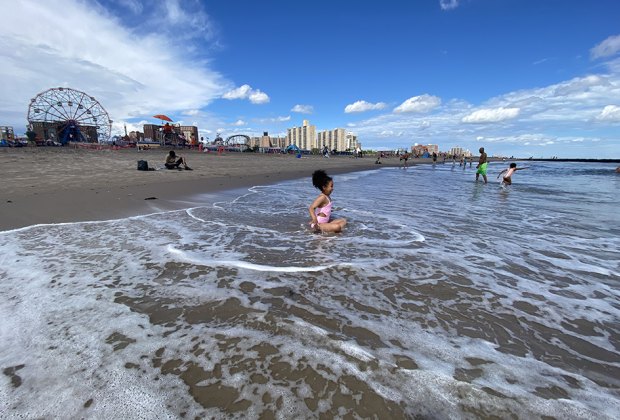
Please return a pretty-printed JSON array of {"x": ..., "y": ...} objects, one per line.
[{"x": 68, "y": 115}]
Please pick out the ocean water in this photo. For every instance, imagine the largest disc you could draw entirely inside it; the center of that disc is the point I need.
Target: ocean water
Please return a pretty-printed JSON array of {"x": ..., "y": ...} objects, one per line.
[{"x": 442, "y": 299}]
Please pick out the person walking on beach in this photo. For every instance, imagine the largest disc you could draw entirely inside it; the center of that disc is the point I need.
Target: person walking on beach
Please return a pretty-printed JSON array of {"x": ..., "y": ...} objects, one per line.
[
  {"x": 321, "y": 208},
  {"x": 173, "y": 162},
  {"x": 507, "y": 180},
  {"x": 482, "y": 165}
]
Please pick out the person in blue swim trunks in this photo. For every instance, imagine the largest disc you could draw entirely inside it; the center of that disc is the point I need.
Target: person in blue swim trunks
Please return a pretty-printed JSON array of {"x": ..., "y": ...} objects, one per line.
[{"x": 482, "y": 165}]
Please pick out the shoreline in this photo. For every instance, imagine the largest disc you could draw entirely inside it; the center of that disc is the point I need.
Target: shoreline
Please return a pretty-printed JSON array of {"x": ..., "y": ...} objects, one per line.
[
  {"x": 63, "y": 185},
  {"x": 59, "y": 185}
]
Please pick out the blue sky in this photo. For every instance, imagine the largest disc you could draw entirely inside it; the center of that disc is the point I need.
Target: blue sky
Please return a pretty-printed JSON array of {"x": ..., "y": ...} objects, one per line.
[{"x": 518, "y": 77}]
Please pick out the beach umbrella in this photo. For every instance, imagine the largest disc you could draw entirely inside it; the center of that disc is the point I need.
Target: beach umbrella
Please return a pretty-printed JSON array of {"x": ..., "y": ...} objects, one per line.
[{"x": 162, "y": 117}]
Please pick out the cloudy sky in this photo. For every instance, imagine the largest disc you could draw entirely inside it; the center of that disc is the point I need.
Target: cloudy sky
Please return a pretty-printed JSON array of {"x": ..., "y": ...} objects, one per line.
[{"x": 518, "y": 77}]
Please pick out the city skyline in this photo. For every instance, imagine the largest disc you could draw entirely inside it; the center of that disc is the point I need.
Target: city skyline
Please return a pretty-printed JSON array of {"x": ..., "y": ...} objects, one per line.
[{"x": 523, "y": 78}]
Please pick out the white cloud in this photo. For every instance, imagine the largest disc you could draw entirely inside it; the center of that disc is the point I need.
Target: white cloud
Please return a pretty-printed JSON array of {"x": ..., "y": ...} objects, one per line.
[
  {"x": 491, "y": 115},
  {"x": 362, "y": 106},
  {"x": 192, "y": 112},
  {"x": 278, "y": 119},
  {"x": 303, "y": 109},
  {"x": 610, "y": 113},
  {"x": 246, "y": 92},
  {"x": 422, "y": 103},
  {"x": 258, "y": 97},
  {"x": 448, "y": 4},
  {"x": 607, "y": 48},
  {"x": 132, "y": 74},
  {"x": 239, "y": 123}
]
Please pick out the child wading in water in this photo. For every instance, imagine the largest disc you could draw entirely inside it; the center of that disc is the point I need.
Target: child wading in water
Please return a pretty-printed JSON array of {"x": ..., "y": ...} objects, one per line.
[
  {"x": 507, "y": 180},
  {"x": 321, "y": 208}
]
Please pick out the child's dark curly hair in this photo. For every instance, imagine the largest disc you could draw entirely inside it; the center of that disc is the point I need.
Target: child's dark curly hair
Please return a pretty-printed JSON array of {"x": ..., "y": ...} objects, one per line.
[{"x": 320, "y": 179}]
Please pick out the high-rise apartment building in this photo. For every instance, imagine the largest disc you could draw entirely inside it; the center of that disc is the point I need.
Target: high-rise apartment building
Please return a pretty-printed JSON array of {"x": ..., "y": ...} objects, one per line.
[
  {"x": 333, "y": 139},
  {"x": 351, "y": 142},
  {"x": 303, "y": 137},
  {"x": 459, "y": 151},
  {"x": 266, "y": 141}
]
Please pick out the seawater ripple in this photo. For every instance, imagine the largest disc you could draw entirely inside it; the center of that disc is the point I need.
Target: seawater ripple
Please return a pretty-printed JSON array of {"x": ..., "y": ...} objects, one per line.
[{"x": 442, "y": 299}]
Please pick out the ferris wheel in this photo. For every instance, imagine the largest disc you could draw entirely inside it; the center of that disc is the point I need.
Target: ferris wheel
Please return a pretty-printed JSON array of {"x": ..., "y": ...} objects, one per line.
[{"x": 71, "y": 114}]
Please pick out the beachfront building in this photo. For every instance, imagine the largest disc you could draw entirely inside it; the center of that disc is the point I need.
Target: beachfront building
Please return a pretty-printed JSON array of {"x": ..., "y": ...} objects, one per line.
[
  {"x": 303, "y": 137},
  {"x": 267, "y": 142},
  {"x": 334, "y": 139},
  {"x": 350, "y": 141},
  {"x": 432, "y": 148},
  {"x": 419, "y": 150},
  {"x": 458, "y": 151},
  {"x": 63, "y": 132},
  {"x": 190, "y": 132},
  {"x": 151, "y": 132}
]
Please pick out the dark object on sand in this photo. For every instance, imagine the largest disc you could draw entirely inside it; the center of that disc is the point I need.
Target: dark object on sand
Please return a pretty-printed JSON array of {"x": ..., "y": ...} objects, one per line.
[{"x": 143, "y": 165}]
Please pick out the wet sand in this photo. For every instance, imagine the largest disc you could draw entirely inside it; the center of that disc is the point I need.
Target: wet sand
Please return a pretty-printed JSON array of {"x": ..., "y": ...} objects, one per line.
[{"x": 56, "y": 185}]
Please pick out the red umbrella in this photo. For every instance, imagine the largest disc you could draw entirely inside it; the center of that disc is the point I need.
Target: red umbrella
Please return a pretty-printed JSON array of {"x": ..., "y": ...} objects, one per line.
[{"x": 162, "y": 117}]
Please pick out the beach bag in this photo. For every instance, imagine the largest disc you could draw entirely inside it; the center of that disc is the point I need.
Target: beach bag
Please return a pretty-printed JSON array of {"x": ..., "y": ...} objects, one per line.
[{"x": 143, "y": 165}]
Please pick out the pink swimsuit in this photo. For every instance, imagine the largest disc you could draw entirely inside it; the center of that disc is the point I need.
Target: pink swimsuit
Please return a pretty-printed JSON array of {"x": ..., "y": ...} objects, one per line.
[{"x": 327, "y": 210}]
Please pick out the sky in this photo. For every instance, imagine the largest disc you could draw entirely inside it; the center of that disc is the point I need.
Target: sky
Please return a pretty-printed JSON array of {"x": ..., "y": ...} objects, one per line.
[{"x": 520, "y": 78}]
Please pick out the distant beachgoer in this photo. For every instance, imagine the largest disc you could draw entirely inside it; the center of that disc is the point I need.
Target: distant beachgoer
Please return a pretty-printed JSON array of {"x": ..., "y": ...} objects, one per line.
[
  {"x": 325, "y": 152},
  {"x": 173, "y": 162},
  {"x": 434, "y": 157},
  {"x": 507, "y": 180},
  {"x": 482, "y": 165},
  {"x": 321, "y": 208},
  {"x": 405, "y": 157},
  {"x": 618, "y": 170},
  {"x": 379, "y": 156},
  {"x": 167, "y": 131}
]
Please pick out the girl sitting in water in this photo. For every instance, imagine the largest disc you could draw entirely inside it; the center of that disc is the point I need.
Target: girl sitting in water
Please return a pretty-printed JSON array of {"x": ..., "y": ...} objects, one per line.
[{"x": 321, "y": 208}]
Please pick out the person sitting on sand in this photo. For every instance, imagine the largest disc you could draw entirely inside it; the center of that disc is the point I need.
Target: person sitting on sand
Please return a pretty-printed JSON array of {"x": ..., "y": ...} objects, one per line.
[
  {"x": 173, "y": 162},
  {"x": 507, "y": 180},
  {"x": 321, "y": 208}
]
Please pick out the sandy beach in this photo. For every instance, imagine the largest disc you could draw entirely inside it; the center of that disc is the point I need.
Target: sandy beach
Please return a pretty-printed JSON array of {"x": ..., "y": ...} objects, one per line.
[
  {"x": 431, "y": 304},
  {"x": 55, "y": 185}
]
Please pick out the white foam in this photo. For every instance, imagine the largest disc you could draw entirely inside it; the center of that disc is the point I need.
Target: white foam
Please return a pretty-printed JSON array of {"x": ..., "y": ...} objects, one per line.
[{"x": 349, "y": 306}]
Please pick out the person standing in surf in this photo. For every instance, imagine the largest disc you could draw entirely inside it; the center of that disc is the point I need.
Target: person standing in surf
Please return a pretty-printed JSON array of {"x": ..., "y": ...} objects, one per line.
[
  {"x": 321, "y": 208},
  {"x": 507, "y": 180},
  {"x": 482, "y": 165},
  {"x": 405, "y": 157}
]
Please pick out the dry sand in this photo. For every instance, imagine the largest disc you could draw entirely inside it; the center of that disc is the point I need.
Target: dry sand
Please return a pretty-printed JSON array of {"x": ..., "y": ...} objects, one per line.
[{"x": 54, "y": 184}]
